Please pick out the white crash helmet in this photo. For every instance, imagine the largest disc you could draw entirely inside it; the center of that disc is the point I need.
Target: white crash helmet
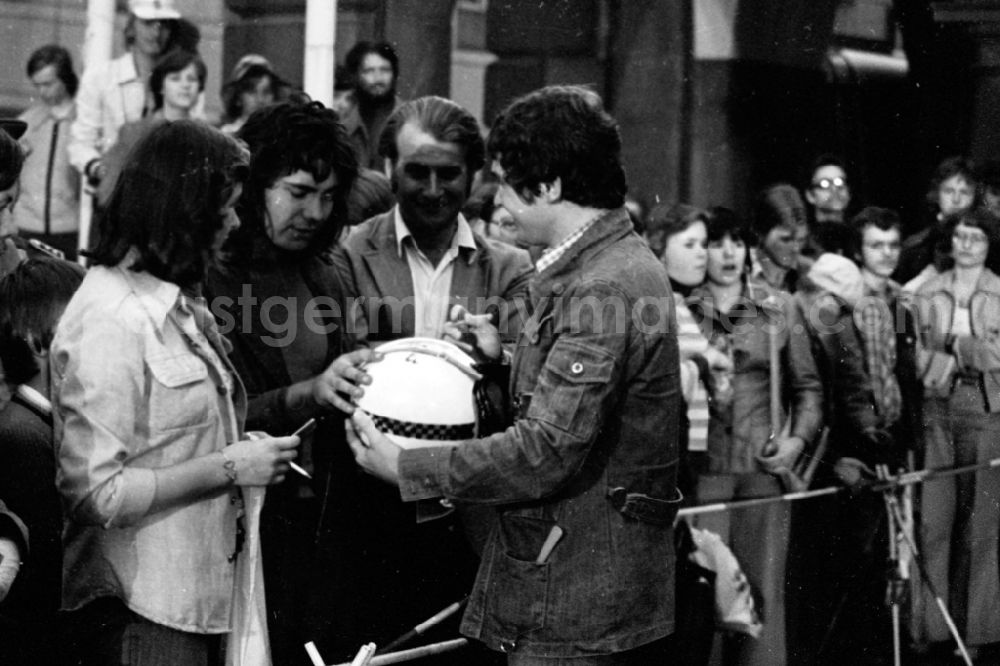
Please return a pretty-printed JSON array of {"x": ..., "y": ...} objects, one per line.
[{"x": 422, "y": 393}]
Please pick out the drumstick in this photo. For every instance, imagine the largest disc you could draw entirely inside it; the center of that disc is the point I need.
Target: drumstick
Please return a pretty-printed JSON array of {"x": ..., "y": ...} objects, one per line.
[
  {"x": 303, "y": 430},
  {"x": 364, "y": 655},
  {"x": 415, "y": 653},
  {"x": 298, "y": 469},
  {"x": 437, "y": 618},
  {"x": 314, "y": 656}
]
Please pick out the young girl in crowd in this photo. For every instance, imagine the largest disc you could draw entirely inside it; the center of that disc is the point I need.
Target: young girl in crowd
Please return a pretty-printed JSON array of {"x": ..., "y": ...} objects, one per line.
[
  {"x": 683, "y": 232},
  {"x": 254, "y": 85},
  {"x": 176, "y": 83},
  {"x": 748, "y": 444}
]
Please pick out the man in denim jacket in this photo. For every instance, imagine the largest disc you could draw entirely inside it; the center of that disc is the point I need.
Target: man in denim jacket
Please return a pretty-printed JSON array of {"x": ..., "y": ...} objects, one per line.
[{"x": 580, "y": 565}]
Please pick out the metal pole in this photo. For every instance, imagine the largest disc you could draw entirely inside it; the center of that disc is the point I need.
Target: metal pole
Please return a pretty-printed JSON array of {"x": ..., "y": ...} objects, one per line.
[
  {"x": 320, "y": 57},
  {"x": 97, "y": 44},
  {"x": 99, "y": 36}
]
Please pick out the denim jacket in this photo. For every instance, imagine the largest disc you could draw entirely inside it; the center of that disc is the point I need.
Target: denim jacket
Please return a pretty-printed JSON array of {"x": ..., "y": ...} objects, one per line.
[
  {"x": 594, "y": 452},
  {"x": 138, "y": 385},
  {"x": 979, "y": 352}
]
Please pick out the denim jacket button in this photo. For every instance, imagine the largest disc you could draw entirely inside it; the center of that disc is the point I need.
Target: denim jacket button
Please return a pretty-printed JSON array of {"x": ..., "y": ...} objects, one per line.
[
  {"x": 508, "y": 646},
  {"x": 576, "y": 368},
  {"x": 558, "y": 288}
]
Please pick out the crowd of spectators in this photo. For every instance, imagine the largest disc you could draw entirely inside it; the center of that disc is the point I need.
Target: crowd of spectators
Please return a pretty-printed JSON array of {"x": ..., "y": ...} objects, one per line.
[{"x": 148, "y": 401}]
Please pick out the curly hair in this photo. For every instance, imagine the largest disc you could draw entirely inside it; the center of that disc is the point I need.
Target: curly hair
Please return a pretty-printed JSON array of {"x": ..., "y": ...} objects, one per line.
[
  {"x": 561, "y": 132},
  {"x": 32, "y": 298},
  {"x": 283, "y": 139},
  {"x": 166, "y": 203}
]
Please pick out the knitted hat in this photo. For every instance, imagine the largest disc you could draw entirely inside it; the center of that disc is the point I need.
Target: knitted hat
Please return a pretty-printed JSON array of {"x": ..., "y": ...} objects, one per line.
[{"x": 839, "y": 276}]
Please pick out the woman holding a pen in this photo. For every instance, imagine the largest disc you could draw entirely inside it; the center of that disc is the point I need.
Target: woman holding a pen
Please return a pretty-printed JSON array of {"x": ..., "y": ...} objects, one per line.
[
  {"x": 279, "y": 303},
  {"x": 153, "y": 461}
]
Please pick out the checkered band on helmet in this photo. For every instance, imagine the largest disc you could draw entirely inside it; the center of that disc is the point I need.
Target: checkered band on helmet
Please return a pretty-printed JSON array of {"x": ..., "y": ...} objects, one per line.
[{"x": 427, "y": 431}]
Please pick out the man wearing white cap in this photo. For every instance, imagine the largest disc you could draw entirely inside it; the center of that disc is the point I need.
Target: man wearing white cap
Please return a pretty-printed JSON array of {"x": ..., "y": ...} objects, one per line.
[{"x": 115, "y": 92}]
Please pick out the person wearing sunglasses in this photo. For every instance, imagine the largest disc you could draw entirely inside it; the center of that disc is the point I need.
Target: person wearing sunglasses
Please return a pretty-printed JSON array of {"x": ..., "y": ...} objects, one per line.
[{"x": 828, "y": 194}]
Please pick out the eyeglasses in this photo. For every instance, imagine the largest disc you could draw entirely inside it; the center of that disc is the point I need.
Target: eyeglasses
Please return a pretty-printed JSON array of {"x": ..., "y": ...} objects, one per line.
[{"x": 830, "y": 183}]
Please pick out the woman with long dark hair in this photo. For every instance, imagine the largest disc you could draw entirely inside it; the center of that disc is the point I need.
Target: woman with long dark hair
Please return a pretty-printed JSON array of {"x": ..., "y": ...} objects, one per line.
[{"x": 153, "y": 460}]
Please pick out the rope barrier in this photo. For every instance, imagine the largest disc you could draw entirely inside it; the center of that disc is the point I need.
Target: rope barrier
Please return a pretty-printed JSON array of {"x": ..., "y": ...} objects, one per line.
[{"x": 875, "y": 485}]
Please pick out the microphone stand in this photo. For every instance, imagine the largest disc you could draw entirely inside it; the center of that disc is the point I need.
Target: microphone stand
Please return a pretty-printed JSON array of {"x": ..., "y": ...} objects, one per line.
[{"x": 898, "y": 527}]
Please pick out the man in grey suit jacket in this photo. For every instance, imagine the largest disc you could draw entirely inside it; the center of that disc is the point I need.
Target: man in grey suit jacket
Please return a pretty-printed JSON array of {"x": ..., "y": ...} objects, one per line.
[
  {"x": 403, "y": 272},
  {"x": 408, "y": 267}
]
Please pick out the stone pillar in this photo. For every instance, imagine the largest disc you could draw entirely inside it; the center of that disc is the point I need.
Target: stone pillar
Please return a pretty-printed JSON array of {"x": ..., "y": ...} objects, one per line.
[
  {"x": 649, "y": 51},
  {"x": 981, "y": 22},
  {"x": 421, "y": 33},
  {"x": 537, "y": 44}
]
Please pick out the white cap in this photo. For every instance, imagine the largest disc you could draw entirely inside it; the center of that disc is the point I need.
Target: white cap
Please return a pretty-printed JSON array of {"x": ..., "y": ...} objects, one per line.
[{"x": 154, "y": 10}]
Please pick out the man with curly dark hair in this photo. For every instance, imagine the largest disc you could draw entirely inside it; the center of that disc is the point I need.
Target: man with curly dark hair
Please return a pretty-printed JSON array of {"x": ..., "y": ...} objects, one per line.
[
  {"x": 280, "y": 303},
  {"x": 579, "y": 568}
]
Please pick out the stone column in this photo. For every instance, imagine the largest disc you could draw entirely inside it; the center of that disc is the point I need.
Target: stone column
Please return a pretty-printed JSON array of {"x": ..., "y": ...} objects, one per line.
[
  {"x": 421, "y": 33},
  {"x": 980, "y": 20}
]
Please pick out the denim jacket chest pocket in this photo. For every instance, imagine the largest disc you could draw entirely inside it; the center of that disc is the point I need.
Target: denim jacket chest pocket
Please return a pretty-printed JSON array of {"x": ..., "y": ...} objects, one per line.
[
  {"x": 180, "y": 392},
  {"x": 567, "y": 377}
]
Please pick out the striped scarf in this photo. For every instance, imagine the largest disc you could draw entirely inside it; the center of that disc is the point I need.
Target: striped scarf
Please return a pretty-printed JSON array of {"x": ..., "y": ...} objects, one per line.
[{"x": 691, "y": 343}]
